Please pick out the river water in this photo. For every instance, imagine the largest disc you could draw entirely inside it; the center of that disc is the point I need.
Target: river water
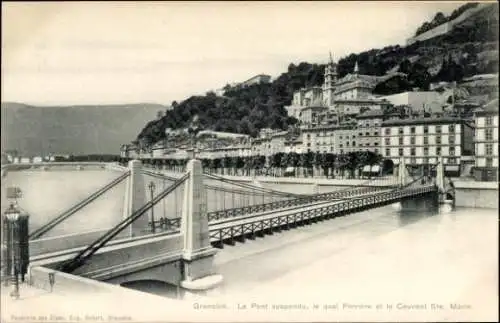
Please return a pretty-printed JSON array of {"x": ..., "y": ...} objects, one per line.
[{"x": 411, "y": 260}]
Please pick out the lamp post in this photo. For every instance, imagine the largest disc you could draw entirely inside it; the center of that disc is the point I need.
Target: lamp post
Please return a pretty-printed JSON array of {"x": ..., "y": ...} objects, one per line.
[
  {"x": 152, "y": 187},
  {"x": 193, "y": 130},
  {"x": 12, "y": 214}
]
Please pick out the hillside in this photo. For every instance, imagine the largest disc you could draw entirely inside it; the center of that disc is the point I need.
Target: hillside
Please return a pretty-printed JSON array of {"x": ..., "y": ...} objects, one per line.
[
  {"x": 33, "y": 130},
  {"x": 241, "y": 110},
  {"x": 470, "y": 48}
]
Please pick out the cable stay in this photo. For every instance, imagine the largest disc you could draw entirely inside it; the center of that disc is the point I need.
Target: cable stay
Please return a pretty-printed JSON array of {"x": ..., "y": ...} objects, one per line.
[
  {"x": 87, "y": 253},
  {"x": 160, "y": 176},
  {"x": 72, "y": 210},
  {"x": 232, "y": 190},
  {"x": 253, "y": 187},
  {"x": 215, "y": 188}
]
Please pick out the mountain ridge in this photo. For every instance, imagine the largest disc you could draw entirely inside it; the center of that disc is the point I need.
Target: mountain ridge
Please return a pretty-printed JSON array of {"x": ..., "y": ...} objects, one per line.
[{"x": 80, "y": 129}]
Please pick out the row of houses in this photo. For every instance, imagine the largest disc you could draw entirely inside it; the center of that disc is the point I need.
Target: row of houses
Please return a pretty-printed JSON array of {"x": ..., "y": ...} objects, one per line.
[{"x": 460, "y": 143}]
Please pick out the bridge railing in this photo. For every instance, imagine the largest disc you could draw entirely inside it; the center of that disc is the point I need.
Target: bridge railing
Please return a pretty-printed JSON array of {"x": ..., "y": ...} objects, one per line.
[
  {"x": 235, "y": 212},
  {"x": 166, "y": 224},
  {"x": 225, "y": 232}
]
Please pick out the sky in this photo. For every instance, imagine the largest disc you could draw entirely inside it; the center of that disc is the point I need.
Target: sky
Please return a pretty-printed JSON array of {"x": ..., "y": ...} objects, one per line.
[{"x": 63, "y": 53}]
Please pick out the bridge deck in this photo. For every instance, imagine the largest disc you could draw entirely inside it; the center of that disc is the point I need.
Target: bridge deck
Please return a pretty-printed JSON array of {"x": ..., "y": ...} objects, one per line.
[
  {"x": 225, "y": 231},
  {"x": 243, "y": 219}
]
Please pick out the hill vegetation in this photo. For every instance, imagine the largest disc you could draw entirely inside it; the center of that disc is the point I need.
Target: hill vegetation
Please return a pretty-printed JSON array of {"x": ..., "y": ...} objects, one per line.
[
  {"x": 440, "y": 18},
  {"x": 470, "y": 48},
  {"x": 242, "y": 109}
]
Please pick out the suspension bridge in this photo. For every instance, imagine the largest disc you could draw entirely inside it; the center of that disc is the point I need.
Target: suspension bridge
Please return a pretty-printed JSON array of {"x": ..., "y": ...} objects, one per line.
[{"x": 202, "y": 212}]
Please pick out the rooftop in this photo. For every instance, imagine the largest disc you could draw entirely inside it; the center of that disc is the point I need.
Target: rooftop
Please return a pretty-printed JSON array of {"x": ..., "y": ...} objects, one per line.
[
  {"x": 432, "y": 120},
  {"x": 490, "y": 108},
  {"x": 371, "y": 114}
]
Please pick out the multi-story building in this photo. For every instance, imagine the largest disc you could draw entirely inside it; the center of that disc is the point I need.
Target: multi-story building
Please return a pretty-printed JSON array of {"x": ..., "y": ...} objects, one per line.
[
  {"x": 318, "y": 139},
  {"x": 257, "y": 79},
  {"x": 229, "y": 151},
  {"x": 369, "y": 131},
  {"x": 277, "y": 143},
  {"x": 267, "y": 132},
  {"x": 423, "y": 141},
  {"x": 418, "y": 100},
  {"x": 311, "y": 115},
  {"x": 328, "y": 118},
  {"x": 486, "y": 142},
  {"x": 345, "y": 139},
  {"x": 261, "y": 146}
]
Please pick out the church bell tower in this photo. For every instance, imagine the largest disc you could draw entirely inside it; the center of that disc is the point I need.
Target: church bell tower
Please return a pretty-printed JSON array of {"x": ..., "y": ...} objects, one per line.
[{"x": 329, "y": 84}]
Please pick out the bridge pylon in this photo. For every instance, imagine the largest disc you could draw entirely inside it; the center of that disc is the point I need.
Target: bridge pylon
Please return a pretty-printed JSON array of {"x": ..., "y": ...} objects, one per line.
[
  {"x": 402, "y": 172},
  {"x": 198, "y": 253},
  {"x": 135, "y": 197},
  {"x": 442, "y": 186}
]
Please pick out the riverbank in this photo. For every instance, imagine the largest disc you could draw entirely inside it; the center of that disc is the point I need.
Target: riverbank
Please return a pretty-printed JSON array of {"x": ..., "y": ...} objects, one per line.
[{"x": 476, "y": 194}]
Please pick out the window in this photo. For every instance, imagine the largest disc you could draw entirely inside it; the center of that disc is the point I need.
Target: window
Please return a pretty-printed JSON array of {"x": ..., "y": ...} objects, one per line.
[
  {"x": 413, "y": 152},
  {"x": 452, "y": 160},
  {"x": 438, "y": 129},
  {"x": 412, "y": 130},
  {"x": 413, "y": 161},
  {"x": 308, "y": 144},
  {"x": 452, "y": 151},
  {"x": 426, "y": 140},
  {"x": 341, "y": 151},
  {"x": 375, "y": 133},
  {"x": 488, "y": 134},
  {"x": 400, "y": 151},
  {"x": 451, "y": 128},
  {"x": 438, "y": 151},
  {"x": 426, "y": 161},
  {"x": 387, "y": 141},
  {"x": 340, "y": 137},
  {"x": 353, "y": 143},
  {"x": 412, "y": 140},
  {"x": 400, "y": 131},
  {"x": 400, "y": 140},
  {"x": 387, "y": 131},
  {"x": 367, "y": 133},
  {"x": 438, "y": 140},
  {"x": 387, "y": 152},
  {"x": 426, "y": 129},
  {"x": 451, "y": 139},
  {"x": 367, "y": 144},
  {"x": 341, "y": 145},
  {"x": 360, "y": 134},
  {"x": 426, "y": 151},
  {"x": 489, "y": 149},
  {"x": 376, "y": 143},
  {"x": 347, "y": 144},
  {"x": 489, "y": 162},
  {"x": 489, "y": 121}
]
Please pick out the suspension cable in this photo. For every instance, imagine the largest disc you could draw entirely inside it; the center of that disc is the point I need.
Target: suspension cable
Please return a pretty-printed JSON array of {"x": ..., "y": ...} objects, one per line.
[
  {"x": 88, "y": 252},
  {"x": 73, "y": 209}
]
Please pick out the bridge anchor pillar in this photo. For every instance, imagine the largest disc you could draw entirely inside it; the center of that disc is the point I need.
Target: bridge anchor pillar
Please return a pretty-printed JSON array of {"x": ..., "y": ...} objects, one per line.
[
  {"x": 135, "y": 197},
  {"x": 198, "y": 254}
]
